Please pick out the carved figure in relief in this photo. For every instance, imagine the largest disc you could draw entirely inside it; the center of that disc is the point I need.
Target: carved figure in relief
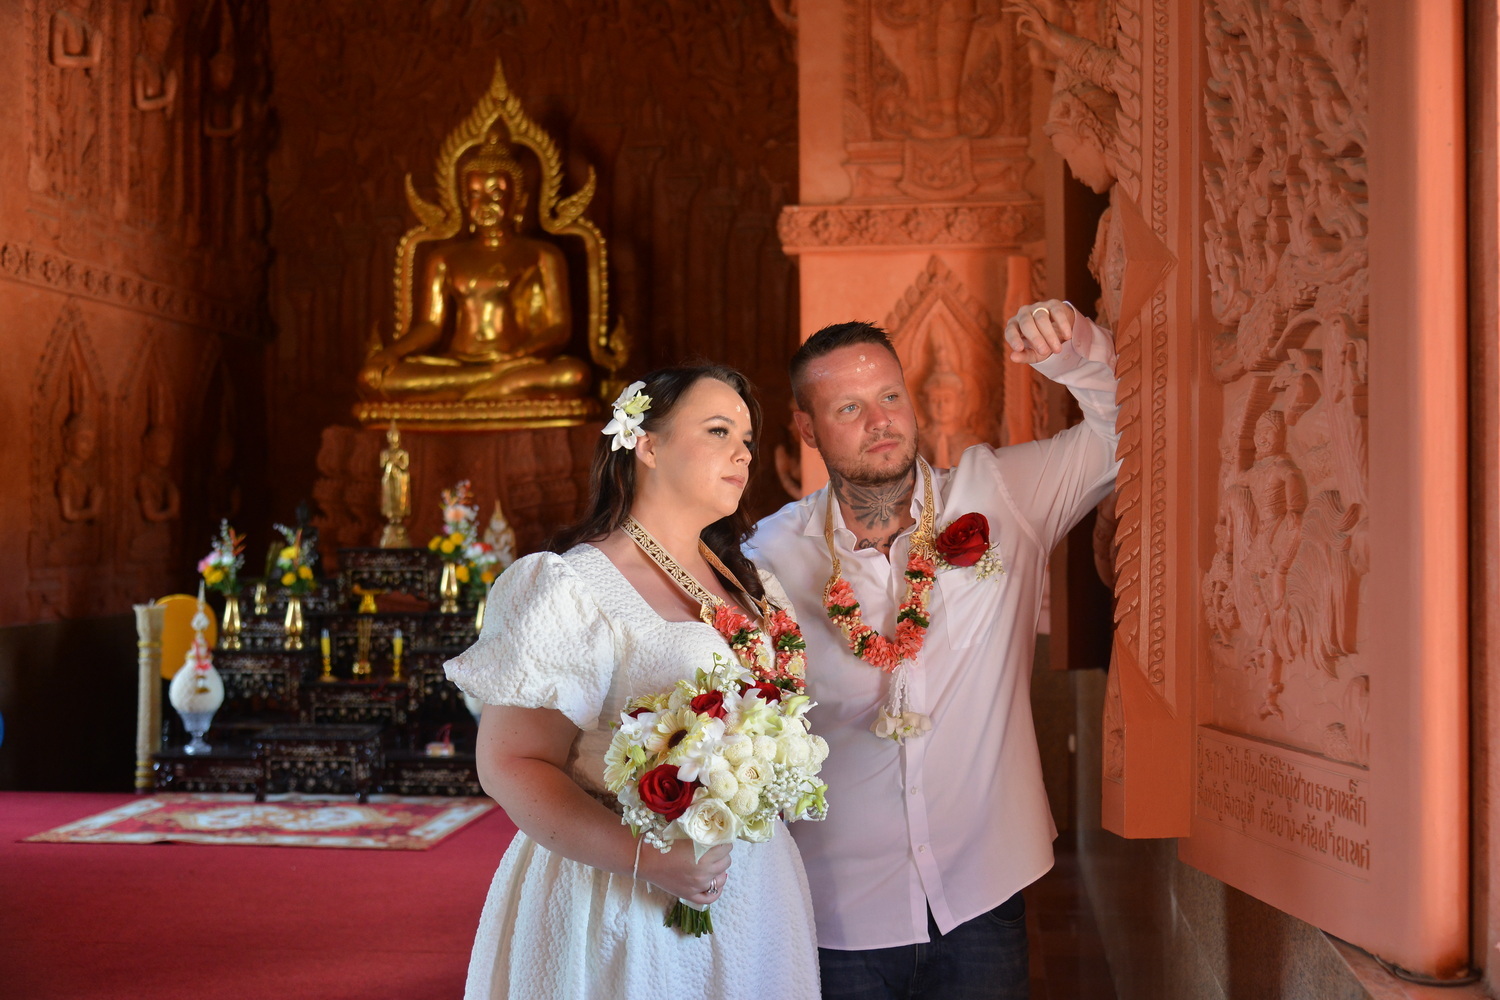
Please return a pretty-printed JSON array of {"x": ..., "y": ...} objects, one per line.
[
  {"x": 153, "y": 87},
  {"x": 223, "y": 104},
  {"x": 1082, "y": 122},
  {"x": 70, "y": 125},
  {"x": 155, "y": 489},
  {"x": 929, "y": 40},
  {"x": 491, "y": 311},
  {"x": 72, "y": 42},
  {"x": 1266, "y": 548},
  {"x": 1287, "y": 260},
  {"x": 80, "y": 496},
  {"x": 947, "y": 433}
]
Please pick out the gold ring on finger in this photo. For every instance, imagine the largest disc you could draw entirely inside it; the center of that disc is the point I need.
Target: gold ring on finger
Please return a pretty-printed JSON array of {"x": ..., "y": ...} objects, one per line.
[{"x": 1041, "y": 309}]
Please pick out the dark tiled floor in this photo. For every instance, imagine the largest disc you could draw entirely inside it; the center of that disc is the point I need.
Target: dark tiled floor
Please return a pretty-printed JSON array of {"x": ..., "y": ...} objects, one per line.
[{"x": 1067, "y": 954}]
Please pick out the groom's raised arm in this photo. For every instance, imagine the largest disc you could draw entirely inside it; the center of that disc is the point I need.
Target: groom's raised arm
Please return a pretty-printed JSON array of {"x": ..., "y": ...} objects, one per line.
[{"x": 1054, "y": 482}]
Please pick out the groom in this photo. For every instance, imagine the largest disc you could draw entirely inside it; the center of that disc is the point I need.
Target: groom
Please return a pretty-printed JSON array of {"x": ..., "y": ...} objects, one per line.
[{"x": 939, "y": 817}]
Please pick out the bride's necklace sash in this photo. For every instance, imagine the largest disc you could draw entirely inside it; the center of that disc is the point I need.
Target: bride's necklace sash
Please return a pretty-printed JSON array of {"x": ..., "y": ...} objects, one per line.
[{"x": 772, "y": 651}]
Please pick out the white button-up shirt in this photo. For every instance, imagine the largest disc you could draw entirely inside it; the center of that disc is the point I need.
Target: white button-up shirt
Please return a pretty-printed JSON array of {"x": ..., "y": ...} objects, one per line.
[{"x": 955, "y": 820}]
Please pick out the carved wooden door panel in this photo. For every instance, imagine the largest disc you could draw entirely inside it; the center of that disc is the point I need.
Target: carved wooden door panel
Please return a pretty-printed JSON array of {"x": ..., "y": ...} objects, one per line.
[{"x": 1288, "y": 694}]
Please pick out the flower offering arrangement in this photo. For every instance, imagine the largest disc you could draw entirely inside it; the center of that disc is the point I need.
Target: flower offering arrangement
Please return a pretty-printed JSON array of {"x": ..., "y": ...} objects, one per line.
[
  {"x": 220, "y": 569},
  {"x": 292, "y": 565},
  {"x": 476, "y": 562},
  {"x": 715, "y": 759}
]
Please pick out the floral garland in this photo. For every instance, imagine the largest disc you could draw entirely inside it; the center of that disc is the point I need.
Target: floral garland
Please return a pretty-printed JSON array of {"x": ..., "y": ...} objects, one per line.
[
  {"x": 786, "y": 667},
  {"x": 896, "y": 720},
  {"x": 912, "y": 617}
]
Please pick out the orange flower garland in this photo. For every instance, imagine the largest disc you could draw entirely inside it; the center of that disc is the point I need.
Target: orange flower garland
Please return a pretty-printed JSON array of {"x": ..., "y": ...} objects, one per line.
[
  {"x": 911, "y": 618},
  {"x": 785, "y": 666}
]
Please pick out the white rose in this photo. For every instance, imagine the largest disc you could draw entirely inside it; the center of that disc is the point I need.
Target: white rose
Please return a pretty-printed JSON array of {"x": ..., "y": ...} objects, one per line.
[
  {"x": 709, "y": 822},
  {"x": 765, "y": 748},
  {"x": 723, "y": 784},
  {"x": 819, "y": 749},
  {"x": 759, "y": 833},
  {"x": 745, "y": 801},
  {"x": 753, "y": 773},
  {"x": 792, "y": 749}
]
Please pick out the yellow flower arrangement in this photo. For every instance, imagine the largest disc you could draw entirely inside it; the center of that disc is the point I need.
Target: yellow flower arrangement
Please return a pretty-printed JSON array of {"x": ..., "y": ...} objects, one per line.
[{"x": 293, "y": 563}]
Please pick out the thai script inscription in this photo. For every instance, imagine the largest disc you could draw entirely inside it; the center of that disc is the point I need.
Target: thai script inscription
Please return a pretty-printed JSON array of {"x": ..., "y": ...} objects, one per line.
[{"x": 1269, "y": 796}]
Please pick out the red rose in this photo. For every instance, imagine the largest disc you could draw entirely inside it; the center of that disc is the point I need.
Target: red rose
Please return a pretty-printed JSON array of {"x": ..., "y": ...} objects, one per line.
[
  {"x": 710, "y": 703},
  {"x": 768, "y": 692},
  {"x": 965, "y": 541},
  {"x": 636, "y": 713},
  {"x": 663, "y": 792}
]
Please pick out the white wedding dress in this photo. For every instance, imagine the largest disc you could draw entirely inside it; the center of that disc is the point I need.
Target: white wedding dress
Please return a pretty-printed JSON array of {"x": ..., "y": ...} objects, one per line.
[{"x": 569, "y": 632}]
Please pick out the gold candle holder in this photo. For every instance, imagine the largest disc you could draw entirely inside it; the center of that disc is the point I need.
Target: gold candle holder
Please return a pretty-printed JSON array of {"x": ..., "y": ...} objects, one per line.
[
  {"x": 229, "y": 627},
  {"x": 398, "y": 643},
  {"x": 261, "y": 599},
  {"x": 326, "y": 645},
  {"x": 293, "y": 624}
]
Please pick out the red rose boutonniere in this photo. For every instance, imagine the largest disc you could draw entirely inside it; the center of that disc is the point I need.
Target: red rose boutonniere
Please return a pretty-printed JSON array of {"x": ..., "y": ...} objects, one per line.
[{"x": 966, "y": 542}]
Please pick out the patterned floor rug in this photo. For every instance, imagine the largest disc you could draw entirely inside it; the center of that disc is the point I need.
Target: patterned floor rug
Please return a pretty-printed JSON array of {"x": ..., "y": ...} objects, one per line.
[{"x": 386, "y": 822}]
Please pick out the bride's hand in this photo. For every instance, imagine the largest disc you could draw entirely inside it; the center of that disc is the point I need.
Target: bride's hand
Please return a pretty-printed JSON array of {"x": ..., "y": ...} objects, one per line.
[{"x": 677, "y": 872}]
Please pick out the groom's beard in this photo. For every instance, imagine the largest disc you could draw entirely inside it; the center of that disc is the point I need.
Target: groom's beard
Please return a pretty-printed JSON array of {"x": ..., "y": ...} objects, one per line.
[{"x": 890, "y": 469}]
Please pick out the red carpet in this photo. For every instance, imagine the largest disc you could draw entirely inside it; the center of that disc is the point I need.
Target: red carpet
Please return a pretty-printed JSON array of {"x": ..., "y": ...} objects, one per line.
[{"x": 192, "y": 922}]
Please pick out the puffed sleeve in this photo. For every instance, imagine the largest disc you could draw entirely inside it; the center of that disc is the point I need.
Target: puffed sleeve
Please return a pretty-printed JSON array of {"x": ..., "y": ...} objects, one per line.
[{"x": 545, "y": 643}]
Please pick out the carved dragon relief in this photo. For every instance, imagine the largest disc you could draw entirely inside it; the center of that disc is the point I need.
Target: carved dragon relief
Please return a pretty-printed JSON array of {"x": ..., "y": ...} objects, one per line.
[{"x": 1289, "y": 272}]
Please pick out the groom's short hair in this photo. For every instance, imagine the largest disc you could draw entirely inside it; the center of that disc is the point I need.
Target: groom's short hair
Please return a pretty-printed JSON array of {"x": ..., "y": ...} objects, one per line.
[{"x": 828, "y": 340}]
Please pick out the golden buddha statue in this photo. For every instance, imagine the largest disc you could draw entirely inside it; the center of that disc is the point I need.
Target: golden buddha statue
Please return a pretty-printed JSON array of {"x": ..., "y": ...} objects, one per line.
[
  {"x": 395, "y": 491},
  {"x": 491, "y": 309},
  {"x": 483, "y": 309}
]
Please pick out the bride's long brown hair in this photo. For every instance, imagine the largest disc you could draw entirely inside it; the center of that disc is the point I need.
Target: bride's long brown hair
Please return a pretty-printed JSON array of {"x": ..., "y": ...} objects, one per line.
[{"x": 612, "y": 476}]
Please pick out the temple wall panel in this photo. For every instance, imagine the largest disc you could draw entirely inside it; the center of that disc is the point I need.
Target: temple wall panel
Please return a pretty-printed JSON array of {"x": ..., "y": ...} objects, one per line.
[
  {"x": 131, "y": 262},
  {"x": 1282, "y": 269}
]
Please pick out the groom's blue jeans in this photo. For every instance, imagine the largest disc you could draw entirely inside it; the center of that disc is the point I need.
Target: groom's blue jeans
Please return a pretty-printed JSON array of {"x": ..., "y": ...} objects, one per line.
[{"x": 981, "y": 959}]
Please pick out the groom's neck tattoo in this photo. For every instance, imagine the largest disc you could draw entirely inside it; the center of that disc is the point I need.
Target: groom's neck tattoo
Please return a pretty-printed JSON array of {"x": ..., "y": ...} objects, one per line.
[
  {"x": 875, "y": 508},
  {"x": 883, "y": 544}
]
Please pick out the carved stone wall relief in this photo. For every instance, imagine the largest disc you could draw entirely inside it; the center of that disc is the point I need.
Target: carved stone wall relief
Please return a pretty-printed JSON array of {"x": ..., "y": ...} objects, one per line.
[
  {"x": 951, "y": 350},
  {"x": 71, "y": 501},
  {"x": 1288, "y": 266},
  {"x": 68, "y": 99},
  {"x": 142, "y": 138},
  {"x": 936, "y": 101}
]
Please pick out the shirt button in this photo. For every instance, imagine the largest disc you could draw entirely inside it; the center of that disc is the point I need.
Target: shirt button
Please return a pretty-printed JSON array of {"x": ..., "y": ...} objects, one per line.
[
  {"x": 922, "y": 849},
  {"x": 914, "y": 789}
]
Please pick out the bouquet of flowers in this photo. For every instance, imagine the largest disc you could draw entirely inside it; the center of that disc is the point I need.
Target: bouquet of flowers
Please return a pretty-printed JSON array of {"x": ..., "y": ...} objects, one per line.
[
  {"x": 460, "y": 515},
  {"x": 292, "y": 563},
  {"x": 717, "y": 758},
  {"x": 221, "y": 567},
  {"x": 483, "y": 565}
]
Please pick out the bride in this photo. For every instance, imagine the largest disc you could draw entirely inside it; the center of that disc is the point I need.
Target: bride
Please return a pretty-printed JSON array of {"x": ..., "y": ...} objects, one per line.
[{"x": 613, "y": 611}]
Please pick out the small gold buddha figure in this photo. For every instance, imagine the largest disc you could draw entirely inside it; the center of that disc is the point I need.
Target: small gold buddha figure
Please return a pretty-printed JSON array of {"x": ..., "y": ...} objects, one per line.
[
  {"x": 491, "y": 306},
  {"x": 395, "y": 491}
]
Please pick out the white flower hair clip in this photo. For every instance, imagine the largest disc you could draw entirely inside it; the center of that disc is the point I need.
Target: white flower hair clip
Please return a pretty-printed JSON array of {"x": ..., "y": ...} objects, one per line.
[{"x": 629, "y": 411}]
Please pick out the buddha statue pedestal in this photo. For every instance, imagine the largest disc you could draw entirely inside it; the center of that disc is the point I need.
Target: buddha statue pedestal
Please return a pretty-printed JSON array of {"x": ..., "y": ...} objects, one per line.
[{"x": 540, "y": 477}]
